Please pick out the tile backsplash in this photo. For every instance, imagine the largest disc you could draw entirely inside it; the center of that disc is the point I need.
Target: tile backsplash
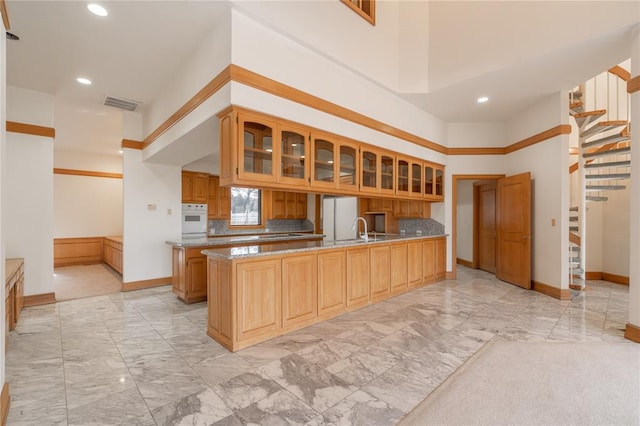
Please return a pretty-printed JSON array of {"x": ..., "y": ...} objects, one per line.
[
  {"x": 273, "y": 225},
  {"x": 426, "y": 226}
]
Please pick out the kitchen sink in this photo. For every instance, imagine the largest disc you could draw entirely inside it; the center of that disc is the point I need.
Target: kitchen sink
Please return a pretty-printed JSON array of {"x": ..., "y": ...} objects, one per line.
[{"x": 351, "y": 241}]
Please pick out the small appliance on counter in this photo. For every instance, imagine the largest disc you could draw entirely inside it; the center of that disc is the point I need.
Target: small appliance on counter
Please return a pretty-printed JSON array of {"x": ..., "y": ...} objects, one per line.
[{"x": 194, "y": 221}]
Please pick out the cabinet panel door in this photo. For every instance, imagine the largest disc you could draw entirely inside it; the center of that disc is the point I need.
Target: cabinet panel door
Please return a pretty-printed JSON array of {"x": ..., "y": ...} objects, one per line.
[
  {"x": 387, "y": 173},
  {"x": 399, "y": 262},
  {"x": 348, "y": 166},
  {"x": 212, "y": 197},
  {"x": 414, "y": 254},
  {"x": 369, "y": 169},
  {"x": 199, "y": 188},
  {"x": 187, "y": 187},
  {"x": 358, "y": 283},
  {"x": 439, "y": 183},
  {"x": 257, "y": 151},
  {"x": 301, "y": 206},
  {"x": 259, "y": 299},
  {"x": 331, "y": 282},
  {"x": 224, "y": 203},
  {"x": 299, "y": 289},
  {"x": 441, "y": 258},
  {"x": 429, "y": 188},
  {"x": 294, "y": 152},
  {"x": 290, "y": 205},
  {"x": 196, "y": 278},
  {"x": 429, "y": 261},
  {"x": 402, "y": 177},
  {"x": 380, "y": 271},
  {"x": 219, "y": 307},
  {"x": 177, "y": 279},
  {"x": 278, "y": 205},
  {"x": 325, "y": 162},
  {"x": 416, "y": 180}
]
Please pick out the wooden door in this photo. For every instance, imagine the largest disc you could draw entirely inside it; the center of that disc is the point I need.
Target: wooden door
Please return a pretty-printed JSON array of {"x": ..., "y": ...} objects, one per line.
[
  {"x": 414, "y": 255},
  {"x": 331, "y": 282},
  {"x": 259, "y": 298},
  {"x": 513, "y": 242},
  {"x": 380, "y": 271},
  {"x": 484, "y": 251},
  {"x": 441, "y": 258},
  {"x": 357, "y": 277},
  {"x": 299, "y": 289},
  {"x": 429, "y": 260},
  {"x": 399, "y": 267},
  {"x": 196, "y": 279}
]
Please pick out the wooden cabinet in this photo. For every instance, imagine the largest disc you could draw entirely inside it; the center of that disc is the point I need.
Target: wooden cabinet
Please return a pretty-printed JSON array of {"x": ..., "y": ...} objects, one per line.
[
  {"x": 299, "y": 289},
  {"x": 331, "y": 282},
  {"x": 411, "y": 209},
  {"x": 441, "y": 258},
  {"x": 414, "y": 259},
  {"x": 358, "y": 282},
  {"x": 218, "y": 200},
  {"x": 14, "y": 295},
  {"x": 380, "y": 205},
  {"x": 112, "y": 252},
  {"x": 399, "y": 262},
  {"x": 194, "y": 187},
  {"x": 189, "y": 278},
  {"x": 220, "y": 304},
  {"x": 260, "y": 150},
  {"x": 428, "y": 261},
  {"x": 259, "y": 299},
  {"x": 224, "y": 203},
  {"x": 380, "y": 271},
  {"x": 288, "y": 205}
]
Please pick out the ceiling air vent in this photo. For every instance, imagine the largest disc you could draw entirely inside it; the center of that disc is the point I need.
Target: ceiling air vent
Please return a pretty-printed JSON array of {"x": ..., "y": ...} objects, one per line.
[{"x": 121, "y": 103}]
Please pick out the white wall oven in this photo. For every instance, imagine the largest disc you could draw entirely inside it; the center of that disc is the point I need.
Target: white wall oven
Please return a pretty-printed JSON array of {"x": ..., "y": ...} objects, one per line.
[{"x": 194, "y": 221}]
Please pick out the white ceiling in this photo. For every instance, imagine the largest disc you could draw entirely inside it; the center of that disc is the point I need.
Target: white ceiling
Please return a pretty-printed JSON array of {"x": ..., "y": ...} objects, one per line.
[{"x": 514, "y": 52}]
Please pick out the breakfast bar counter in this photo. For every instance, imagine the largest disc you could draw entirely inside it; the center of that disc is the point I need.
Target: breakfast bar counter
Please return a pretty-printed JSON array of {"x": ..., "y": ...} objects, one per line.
[{"x": 257, "y": 292}]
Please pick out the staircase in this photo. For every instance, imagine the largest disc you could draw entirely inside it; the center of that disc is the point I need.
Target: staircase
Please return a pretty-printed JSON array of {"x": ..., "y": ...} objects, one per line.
[{"x": 604, "y": 165}]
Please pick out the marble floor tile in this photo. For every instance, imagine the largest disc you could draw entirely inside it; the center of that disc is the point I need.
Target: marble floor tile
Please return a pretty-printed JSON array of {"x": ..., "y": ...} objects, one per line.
[
  {"x": 219, "y": 369},
  {"x": 37, "y": 414},
  {"x": 398, "y": 390},
  {"x": 279, "y": 408},
  {"x": 407, "y": 339},
  {"x": 325, "y": 353},
  {"x": 362, "y": 409},
  {"x": 314, "y": 385},
  {"x": 122, "y": 408},
  {"x": 261, "y": 355},
  {"x": 292, "y": 342},
  {"x": 159, "y": 391},
  {"x": 196, "y": 347},
  {"x": 202, "y": 408},
  {"x": 245, "y": 389}
]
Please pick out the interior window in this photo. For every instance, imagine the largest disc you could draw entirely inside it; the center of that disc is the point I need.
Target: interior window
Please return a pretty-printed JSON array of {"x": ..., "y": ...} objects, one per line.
[{"x": 245, "y": 206}]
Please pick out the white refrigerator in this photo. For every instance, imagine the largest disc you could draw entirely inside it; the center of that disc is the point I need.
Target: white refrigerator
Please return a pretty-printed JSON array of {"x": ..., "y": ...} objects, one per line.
[{"x": 338, "y": 215}]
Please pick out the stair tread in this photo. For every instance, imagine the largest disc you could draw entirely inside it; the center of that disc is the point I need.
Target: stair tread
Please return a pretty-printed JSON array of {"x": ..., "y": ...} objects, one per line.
[
  {"x": 624, "y": 163},
  {"x": 609, "y": 176},
  {"x": 604, "y": 187},
  {"x": 573, "y": 209},
  {"x": 602, "y": 126},
  {"x": 595, "y": 198},
  {"x": 590, "y": 113},
  {"x": 615, "y": 151},
  {"x": 604, "y": 141}
]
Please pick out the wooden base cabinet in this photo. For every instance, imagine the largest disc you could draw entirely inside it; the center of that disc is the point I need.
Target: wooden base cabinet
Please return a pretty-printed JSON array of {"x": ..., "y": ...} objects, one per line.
[
  {"x": 14, "y": 295},
  {"x": 428, "y": 261},
  {"x": 254, "y": 299},
  {"x": 441, "y": 258},
  {"x": 112, "y": 252},
  {"x": 189, "y": 279}
]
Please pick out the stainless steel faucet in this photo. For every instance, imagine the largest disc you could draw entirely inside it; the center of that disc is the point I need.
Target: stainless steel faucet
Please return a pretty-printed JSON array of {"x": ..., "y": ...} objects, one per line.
[{"x": 364, "y": 236}]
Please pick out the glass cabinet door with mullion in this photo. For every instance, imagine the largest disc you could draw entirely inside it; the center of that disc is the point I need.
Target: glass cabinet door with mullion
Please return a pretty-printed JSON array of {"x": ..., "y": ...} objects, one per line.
[
  {"x": 348, "y": 166},
  {"x": 370, "y": 171},
  {"x": 387, "y": 175},
  {"x": 429, "y": 192},
  {"x": 294, "y": 151},
  {"x": 439, "y": 183},
  {"x": 257, "y": 149},
  {"x": 402, "y": 173},
  {"x": 324, "y": 162},
  {"x": 416, "y": 179}
]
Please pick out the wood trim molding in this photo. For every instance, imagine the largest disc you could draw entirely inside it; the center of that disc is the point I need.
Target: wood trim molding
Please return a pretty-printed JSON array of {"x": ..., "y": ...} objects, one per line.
[
  {"x": 633, "y": 85},
  {"x": 5, "y": 403},
  {"x": 5, "y": 17},
  {"x": 574, "y": 167},
  {"x": 128, "y": 143},
  {"x": 89, "y": 173},
  {"x": 369, "y": 18},
  {"x": 30, "y": 129},
  {"x": 464, "y": 263},
  {"x": 139, "y": 285},
  {"x": 561, "y": 129},
  {"x": 575, "y": 239},
  {"x": 632, "y": 333},
  {"x": 257, "y": 81},
  {"x": 614, "y": 278},
  {"x": 620, "y": 72},
  {"x": 555, "y": 292},
  {"x": 196, "y": 100},
  {"x": 592, "y": 275},
  {"x": 451, "y": 275},
  {"x": 475, "y": 151},
  {"x": 39, "y": 299}
]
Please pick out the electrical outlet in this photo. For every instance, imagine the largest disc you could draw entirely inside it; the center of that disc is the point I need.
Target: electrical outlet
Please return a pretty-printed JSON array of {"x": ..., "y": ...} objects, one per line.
[
  {"x": 553, "y": 222},
  {"x": 169, "y": 212},
  {"x": 152, "y": 206}
]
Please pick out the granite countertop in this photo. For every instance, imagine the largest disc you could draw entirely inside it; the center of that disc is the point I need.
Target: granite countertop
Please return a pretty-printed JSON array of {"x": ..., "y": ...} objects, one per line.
[
  {"x": 241, "y": 239},
  {"x": 11, "y": 266},
  {"x": 294, "y": 247}
]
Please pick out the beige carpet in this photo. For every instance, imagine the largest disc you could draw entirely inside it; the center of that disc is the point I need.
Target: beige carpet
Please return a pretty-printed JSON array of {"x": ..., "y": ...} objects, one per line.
[{"x": 539, "y": 383}]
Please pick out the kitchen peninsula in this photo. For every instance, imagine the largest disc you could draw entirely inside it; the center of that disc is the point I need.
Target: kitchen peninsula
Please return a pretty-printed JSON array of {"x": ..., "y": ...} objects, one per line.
[{"x": 258, "y": 292}]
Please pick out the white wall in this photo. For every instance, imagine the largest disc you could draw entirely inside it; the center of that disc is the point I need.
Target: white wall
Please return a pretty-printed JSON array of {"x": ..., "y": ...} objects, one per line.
[
  {"x": 28, "y": 194},
  {"x": 3, "y": 162},
  {"x": 615, "y": 232},
  {"x": 464, "y": 227},
  {"x": 146, "y": 256},
  {"x": 86, "y": 206},
  {"x": 477, "y": 135},
  {"x": 594, "y": 244}
]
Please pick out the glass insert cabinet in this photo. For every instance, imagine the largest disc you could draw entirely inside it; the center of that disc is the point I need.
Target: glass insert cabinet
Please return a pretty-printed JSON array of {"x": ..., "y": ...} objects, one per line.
[{"x": 257, "y": 149}]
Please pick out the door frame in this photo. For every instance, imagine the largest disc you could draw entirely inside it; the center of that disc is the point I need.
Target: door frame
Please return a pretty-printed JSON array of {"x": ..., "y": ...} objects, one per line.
[
  {"x": 454, "y": 211},
  {"x": 475, "y": 261}
]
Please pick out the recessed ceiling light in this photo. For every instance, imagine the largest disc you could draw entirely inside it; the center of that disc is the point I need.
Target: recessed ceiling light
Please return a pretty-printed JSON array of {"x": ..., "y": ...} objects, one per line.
[
  {"x": 83, "y": 80},
  {"x": 96, "y": 9},
  {"x": 482, "y": 99}
]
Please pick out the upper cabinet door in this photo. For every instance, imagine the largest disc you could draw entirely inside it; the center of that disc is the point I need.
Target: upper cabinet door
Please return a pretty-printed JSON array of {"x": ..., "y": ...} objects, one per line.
[
  {"x": 429, "y": 191},
  {"x": 257, "y": 153},
  {"x": 387, "y": 175},
  {"x": 348, "y": 166},
  {"x": 370, "y": 171},
  {"x": 416, "y": 180},
  {"x": 439, "y": 186},
  {"x": 402, "y": 182},
  {"x": 324, "y": 162},
  {"x": 294, "y": 154}
]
